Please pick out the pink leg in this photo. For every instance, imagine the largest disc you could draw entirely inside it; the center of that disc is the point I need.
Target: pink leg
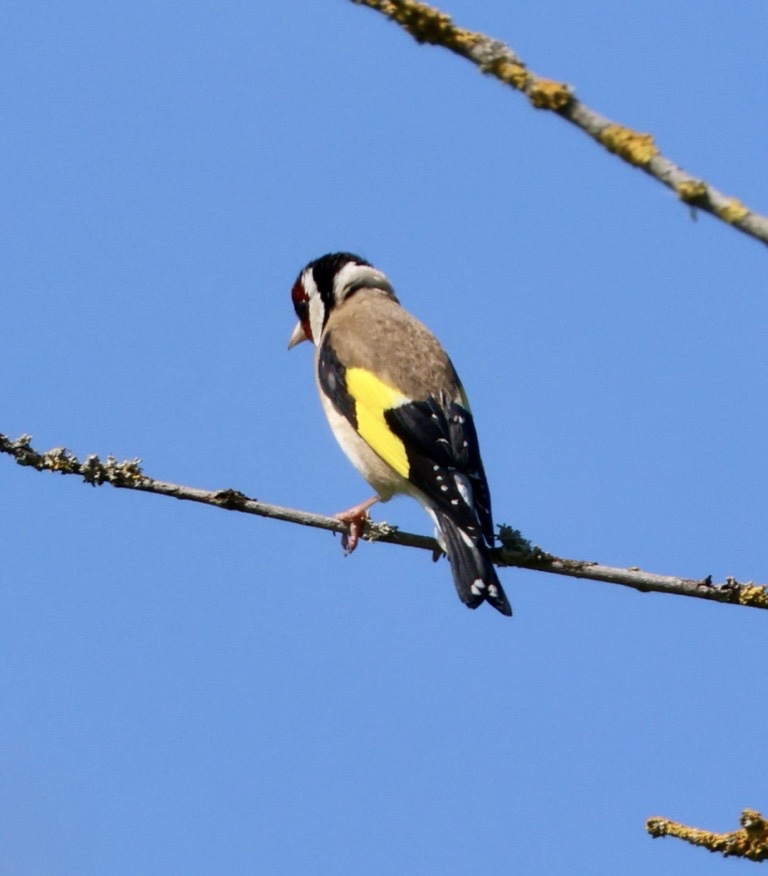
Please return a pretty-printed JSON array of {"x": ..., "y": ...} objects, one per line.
[{"x": 356, "y": 518}]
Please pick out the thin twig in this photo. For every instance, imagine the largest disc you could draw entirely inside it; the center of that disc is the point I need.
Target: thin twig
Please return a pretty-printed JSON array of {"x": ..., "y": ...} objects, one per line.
[
  {"x": 514, "y": 551},
  {"x": 429, "y": 25}
]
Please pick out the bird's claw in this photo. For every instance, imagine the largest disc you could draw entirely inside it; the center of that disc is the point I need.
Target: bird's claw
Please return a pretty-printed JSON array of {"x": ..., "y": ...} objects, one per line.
[{"x": 356, "y": 521}]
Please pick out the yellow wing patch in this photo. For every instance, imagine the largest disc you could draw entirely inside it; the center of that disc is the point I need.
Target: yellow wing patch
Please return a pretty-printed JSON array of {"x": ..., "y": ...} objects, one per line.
[{"x": 372, "y": 397}]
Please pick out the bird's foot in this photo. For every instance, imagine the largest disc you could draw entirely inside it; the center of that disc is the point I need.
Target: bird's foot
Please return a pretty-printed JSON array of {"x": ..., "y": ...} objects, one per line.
[{"x": 356, "y": 518}]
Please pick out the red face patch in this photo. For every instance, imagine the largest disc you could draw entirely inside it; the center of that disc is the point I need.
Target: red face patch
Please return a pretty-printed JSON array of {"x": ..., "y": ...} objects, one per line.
[{"x": 301, "y": 306}]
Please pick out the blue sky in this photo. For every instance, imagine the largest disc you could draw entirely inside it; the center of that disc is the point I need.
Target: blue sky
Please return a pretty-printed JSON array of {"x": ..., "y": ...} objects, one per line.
[{"x": 186, "y": 690}]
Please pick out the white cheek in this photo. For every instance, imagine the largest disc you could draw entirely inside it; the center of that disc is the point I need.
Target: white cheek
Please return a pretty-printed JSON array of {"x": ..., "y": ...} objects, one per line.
[
  {"x": 315, "y": 306},
  {"x": 316, "y": 317}
]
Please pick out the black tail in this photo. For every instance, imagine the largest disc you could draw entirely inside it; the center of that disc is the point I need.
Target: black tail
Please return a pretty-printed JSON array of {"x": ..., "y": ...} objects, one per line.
[{"x": 473, "y": 572}]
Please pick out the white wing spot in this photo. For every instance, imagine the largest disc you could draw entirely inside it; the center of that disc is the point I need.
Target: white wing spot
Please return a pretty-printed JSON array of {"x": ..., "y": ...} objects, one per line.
[
  {"x": 464, "y": 489},
  {"x": 438, "y": 531},
  {"x": 493, "y": 590},
  {"x": 444, "y": 488},
  {"x": 477, "y": 586}
]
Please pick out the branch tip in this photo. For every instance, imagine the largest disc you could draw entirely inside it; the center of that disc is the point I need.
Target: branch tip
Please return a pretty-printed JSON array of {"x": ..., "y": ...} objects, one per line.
[
  {"x": 426, "y": 24},
  {"x": 750, "y": 841}
]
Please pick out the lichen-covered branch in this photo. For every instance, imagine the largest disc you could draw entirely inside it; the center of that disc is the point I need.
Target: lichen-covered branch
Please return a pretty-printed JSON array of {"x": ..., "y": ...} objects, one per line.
[
  {"x": 429, "y": 25},
  {"x": 514, "y": 550},
  {"x": 750, "y": 841}
]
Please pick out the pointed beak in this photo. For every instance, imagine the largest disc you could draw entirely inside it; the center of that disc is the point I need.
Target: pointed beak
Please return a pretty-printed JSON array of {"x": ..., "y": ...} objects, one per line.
[{"x": 297, "y": 336}]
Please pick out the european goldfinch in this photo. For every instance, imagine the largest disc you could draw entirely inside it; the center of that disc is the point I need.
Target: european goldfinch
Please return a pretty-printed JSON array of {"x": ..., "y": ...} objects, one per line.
[{"x": 398, "y": 410}]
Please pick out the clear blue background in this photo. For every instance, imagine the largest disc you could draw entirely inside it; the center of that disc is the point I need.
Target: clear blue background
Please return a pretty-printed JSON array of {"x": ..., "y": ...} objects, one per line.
[{"x": 184, "y": 690}]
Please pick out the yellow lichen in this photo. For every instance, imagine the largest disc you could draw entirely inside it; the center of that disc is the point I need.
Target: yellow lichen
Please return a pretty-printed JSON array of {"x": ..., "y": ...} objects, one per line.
[
  {"x": 548, "y": 94},
  {"x": 753, "y": 595},
  {"x": 630, "y": 145},
  {"x": 59, "y": 459},
  {"x": 691, "y": 190},
  {"x": 426, "y": 24},
  {"x": 751, "y": 841},
  {"x": 731, "y": 211},
  {"x": 512, "y": 73}
]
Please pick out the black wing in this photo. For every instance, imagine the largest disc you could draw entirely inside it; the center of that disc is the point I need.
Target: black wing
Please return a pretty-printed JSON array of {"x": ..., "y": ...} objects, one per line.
[{"x": 444, "y": 458}]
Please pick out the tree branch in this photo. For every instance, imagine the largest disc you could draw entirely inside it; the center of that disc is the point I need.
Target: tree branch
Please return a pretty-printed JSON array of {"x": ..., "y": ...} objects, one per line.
[
  {"x": 514, "y": 551},
  {"x": 429, "y": 25},
  {"x": 750, "y": 842}
]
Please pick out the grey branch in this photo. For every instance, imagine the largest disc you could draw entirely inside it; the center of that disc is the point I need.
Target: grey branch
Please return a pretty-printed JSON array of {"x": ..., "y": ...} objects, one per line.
[
  {"x": 429, "y": 25},
  {"x": 514, "y": 551}
]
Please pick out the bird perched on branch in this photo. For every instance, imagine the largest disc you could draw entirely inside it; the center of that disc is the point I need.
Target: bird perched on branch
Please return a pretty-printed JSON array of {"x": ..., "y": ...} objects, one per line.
[{"x": 398, "y": 410}]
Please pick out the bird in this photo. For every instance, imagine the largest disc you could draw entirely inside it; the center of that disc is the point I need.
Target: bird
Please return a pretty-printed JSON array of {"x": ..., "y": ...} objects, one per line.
[{"x": 400, "y": 413}]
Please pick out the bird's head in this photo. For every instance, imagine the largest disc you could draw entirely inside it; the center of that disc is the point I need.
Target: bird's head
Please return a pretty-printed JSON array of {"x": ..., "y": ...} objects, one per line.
[{"x": 324, "y": 284}]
